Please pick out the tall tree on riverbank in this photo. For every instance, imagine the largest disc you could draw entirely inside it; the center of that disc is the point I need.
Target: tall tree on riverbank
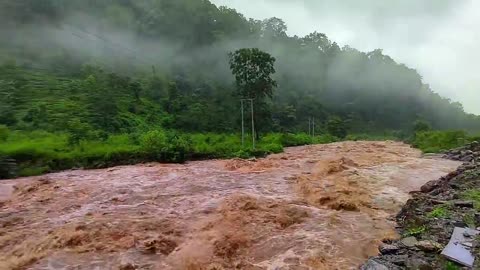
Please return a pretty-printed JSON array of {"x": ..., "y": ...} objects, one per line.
[{"x": 253, "y": 70}]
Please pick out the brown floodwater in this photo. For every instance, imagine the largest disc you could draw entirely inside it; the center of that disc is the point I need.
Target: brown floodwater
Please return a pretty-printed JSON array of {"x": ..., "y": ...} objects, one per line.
[{"x": 312, "y": 207}]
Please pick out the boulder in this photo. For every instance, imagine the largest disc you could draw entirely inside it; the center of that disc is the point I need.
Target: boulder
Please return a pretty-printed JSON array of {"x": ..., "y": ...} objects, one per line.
[
  {"x": 431, "y": 185},
  {"x": 466, "y": 204},
  {"x": 409, "y": 241},
  {"x": 386, "y": 249},
  {"x": 418, "y": 263},
  {"x": 428, "y": 246},
  {"x": 373, "y": 265}
]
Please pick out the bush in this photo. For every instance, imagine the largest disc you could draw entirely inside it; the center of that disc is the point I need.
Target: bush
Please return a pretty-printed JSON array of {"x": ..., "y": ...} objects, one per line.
[
  {"x": 296, "y": 139},
  {"x": 4, "y": 133},
  {"x": 438, "y": 141},
  {"x": 216, "y": 145},
  {"x": 421, "y": 126},
  {"x": 7, "y": 167},
  {"x": 166, "y": 146}
]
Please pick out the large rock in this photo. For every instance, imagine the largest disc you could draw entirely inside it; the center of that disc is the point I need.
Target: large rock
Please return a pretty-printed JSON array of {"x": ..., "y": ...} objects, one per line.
[
  {"x": 373, "y": 265},
  {"x": 387, "y": 249},
  {"x": 418, "y": 264},
  {"x": 431, "y": 185},
  {"x": 428, "y": 246},
  {"x": 466, "y": 204},
  {"x": 409, "y": 241}
]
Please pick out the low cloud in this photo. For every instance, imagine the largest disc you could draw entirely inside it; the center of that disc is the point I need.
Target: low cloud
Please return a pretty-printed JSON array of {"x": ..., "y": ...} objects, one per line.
[{"x": 439, "y": 38}]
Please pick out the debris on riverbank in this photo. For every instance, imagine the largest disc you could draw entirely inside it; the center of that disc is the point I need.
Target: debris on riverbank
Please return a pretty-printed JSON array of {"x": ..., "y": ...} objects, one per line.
[{"x": 428, "y": 220}]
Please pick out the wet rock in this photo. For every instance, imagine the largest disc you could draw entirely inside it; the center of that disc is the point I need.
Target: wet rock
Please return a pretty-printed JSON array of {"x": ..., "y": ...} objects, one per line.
[
  {"x": 386, "y": 249},
  {"x": 428, "y": 246},
  {"x": 374, "y": 265},
  {"x": 467, "y": 204},
  {"x": 419, "y": 264},
  {"x": 409, "y": 241},
  {"x": 429, "y": 186},
  {"x": 460, "y": 224},
  {"x": 397, "y": 260}
]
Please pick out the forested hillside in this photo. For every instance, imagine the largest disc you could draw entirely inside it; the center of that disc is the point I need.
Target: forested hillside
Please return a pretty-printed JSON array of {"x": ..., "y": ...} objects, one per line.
[{"x": 92, "y": 70}]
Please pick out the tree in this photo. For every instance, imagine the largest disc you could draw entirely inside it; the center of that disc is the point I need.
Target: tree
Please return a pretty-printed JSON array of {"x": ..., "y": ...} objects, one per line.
[
  {"x": 421, "y": 126},
  {"x": 337, "y": 127},
  {"x": 274, "y": 28},
  {"x": 7, "y": 110},
  {"x": 253, "y": 69}
]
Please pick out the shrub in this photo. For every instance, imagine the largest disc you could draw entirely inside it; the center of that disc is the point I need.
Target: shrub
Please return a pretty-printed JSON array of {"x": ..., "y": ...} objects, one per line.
[
  {"x": 296, "y": 139},
  {"x": 439, "y": 212},
  {"x": 7, "y": 167},
  {"x": 438, "y": 141},
  {"x": 4, "y": 133},
  {"x": 473, "y": 195},
  {"x": 166, "y": 146}
]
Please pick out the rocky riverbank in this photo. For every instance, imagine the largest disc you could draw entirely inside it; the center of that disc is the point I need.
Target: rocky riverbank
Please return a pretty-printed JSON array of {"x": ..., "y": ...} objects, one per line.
[{"x": 427, "y": 221}]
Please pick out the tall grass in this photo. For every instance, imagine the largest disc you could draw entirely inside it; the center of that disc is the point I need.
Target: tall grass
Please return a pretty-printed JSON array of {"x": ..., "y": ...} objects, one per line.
[
  {"x": 40, "y": 152},
  {"x": 438, "y": 141}
]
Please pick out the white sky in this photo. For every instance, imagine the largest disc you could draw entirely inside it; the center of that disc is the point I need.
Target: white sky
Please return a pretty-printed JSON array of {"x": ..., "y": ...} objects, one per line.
[{"x": 439, "y": 38}]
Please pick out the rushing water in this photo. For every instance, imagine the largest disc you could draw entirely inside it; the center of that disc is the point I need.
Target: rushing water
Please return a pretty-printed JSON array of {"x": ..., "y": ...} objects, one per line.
[{"x": 312, "y": 207}]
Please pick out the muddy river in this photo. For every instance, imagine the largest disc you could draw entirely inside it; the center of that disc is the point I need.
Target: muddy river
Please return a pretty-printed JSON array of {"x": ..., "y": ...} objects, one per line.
[{"x": 313, "y": 207}]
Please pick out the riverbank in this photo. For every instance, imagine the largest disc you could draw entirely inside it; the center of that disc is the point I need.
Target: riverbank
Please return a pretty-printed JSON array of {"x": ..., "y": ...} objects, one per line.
[{"x": 427, "y": 221}]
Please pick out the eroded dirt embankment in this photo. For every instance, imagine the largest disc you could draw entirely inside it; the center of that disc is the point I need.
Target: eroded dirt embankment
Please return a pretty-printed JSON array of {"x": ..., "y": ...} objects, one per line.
[{"x": 312, "y": 207}]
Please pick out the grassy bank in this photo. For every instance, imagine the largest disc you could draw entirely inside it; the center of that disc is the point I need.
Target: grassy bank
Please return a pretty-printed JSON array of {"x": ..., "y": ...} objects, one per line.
[
  {"x": 24, "y": 153},
  {"x": 38, "y": 152},
  {"x": 439, "y": 141}
]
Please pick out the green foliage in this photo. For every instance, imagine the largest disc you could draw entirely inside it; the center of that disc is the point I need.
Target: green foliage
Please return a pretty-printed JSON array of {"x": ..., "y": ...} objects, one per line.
[
  {"x": 295, "y": 139},
  {"x": 38, "y": 152},
  {"x": 439, "y": 212},
  {"x": 253, "y": 69},
  {"x": 78, "y": 131},
  {"x": 70, "y": 106},
  {"x": 7, "y": 99},
  {"x": 49, "y": 84},
  {"x": 337, "y": 127},
  {"x": 166, "y": 146},
  {"x": 452, "y": 266},
  {"x": 469, "y": 219},
  {"x": 4, "y": 133},
  {"x": 415, "y": 231},
  {"x": 437, "y": 141},
  {"x": 7, "y": 167},
  {"x": 421, "y": 126},
  {"x": 473, "y": 195}
]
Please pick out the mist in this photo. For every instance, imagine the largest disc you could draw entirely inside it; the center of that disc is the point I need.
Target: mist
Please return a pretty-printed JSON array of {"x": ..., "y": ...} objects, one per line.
[{"x": 440, "y": 39}]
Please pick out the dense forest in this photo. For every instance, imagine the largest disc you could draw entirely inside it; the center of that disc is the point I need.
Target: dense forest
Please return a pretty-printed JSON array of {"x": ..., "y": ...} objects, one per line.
[{"x": 80, "y": 71}]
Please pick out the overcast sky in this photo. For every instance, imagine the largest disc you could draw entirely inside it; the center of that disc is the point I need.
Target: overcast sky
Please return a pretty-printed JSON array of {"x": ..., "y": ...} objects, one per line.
[{"x": 439, "y": 38}]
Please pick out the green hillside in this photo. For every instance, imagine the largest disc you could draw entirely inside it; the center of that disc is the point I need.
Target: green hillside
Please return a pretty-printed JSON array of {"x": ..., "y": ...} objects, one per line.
[{"x": 98, "y": 83}]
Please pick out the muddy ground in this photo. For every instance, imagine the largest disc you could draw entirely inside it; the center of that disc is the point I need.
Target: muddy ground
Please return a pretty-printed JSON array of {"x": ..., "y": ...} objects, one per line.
[{"x": 313, "y": 207}]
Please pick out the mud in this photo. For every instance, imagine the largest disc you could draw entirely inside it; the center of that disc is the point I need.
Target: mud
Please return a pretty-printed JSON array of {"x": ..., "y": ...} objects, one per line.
[{"x": 312, "y": 207}]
